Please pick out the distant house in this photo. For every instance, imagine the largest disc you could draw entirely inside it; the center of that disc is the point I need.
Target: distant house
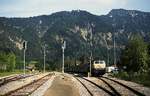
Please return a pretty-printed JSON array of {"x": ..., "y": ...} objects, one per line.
[{"x": 31, "y": 66}]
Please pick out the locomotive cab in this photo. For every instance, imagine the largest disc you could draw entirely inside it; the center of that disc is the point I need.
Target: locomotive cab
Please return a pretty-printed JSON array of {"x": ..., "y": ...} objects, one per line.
[{"x": 99, "y": 67}]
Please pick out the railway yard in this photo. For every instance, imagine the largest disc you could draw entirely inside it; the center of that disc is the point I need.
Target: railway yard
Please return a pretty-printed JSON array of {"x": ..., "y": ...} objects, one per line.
[{"x": 63, "y": 84}]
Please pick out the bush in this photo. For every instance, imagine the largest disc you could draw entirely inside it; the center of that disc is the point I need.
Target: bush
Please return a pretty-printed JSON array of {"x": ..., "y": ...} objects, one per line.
[
  {"x": 141, "y": 78},
  {"x": 122, "y": 75}
]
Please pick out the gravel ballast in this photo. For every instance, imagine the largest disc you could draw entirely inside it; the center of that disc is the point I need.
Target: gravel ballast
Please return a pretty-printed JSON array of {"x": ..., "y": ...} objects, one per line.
[
  {"x": 11, "y": 86},
  {"x": 42, "y": 89}
]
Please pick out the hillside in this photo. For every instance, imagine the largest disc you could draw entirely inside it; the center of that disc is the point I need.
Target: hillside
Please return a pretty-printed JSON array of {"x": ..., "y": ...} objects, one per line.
[{"x": 77, "y": 27}]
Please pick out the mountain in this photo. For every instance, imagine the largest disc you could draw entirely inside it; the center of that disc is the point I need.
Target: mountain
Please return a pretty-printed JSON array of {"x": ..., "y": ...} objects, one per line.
[{"x": 78, "y": 28}]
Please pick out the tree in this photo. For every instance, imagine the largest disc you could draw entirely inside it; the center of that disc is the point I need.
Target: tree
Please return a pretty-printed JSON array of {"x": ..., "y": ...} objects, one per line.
[
  {"x": 7, "y": 61},
  {"x": 11, "y": 61},
  {"x": 3, "y": 61},
  {"x": 135, "y": 55},
  {"x": 149, "y": 56}
]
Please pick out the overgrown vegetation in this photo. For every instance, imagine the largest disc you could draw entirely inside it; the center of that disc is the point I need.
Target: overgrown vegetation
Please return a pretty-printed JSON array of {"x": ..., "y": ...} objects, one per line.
[
  {"x": 6, "y": 73},
  {"x": 141, "y": 78},
  {"x": 135, "y": 61},
  {"x": 7, "y": 61}
]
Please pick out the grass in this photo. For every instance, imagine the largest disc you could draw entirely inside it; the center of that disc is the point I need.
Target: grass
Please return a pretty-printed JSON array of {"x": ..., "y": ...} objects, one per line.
[
  {"x": 143, "y": 79},
  {"x": 10, "y": 73}
]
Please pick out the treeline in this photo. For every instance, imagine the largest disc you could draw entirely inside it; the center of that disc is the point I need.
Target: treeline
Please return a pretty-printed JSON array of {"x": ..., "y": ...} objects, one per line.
[
  {"x": 135, "y": 61},
  {"x": 7, "y": 60},
  {"x": 135, "y": 57},
  {"x": 10, "y": 62}
]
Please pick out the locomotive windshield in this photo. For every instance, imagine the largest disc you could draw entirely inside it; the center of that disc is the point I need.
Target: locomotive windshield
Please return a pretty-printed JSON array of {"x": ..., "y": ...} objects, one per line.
[
  {"x": 96, "y": 62},
  {"x": 99, "y": 62}
]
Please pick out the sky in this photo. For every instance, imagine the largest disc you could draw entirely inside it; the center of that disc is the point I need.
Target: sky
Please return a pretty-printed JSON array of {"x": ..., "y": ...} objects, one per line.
[{"x": 29, "y": 8}]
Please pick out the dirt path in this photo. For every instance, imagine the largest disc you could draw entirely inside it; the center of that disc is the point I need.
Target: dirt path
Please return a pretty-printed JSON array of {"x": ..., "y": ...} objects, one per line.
[{"x": 62, "y": 86}]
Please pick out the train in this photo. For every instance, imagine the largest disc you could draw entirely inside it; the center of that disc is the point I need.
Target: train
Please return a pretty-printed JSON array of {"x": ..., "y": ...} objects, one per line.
[{"x": 98, "y": 67}]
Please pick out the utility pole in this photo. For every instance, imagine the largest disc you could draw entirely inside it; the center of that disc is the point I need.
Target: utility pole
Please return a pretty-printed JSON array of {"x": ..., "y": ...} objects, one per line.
[
  {"x": 63, "y": 49},
  {"x": 24, "y": 55},
  {"x": 44, "y": 57},
  {"x": 107, "y": 51},
  {"x": 91, "y": 55},
  {"x": 91, "y": 63},
  {"x": 114, "y": 27},
  {"x": 114, "y": 51}
]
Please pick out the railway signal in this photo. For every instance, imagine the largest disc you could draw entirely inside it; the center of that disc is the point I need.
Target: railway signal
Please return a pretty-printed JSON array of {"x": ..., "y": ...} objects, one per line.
[
  {"x": 63, "y": 49},
  {"x": 24, "y": 55}
]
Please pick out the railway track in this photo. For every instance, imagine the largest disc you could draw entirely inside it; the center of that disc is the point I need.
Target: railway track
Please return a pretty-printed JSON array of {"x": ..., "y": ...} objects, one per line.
[
  {"x": 6, "y": 80},
  {"x": 111, "y": 87},
  {"x": 91, "y": 94},
  {"x": 93, "y": 88},
  {"x": 104, "y": 86},
  {"x": 110, "y": 81},
  {"x": 29, "y": 88}
]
